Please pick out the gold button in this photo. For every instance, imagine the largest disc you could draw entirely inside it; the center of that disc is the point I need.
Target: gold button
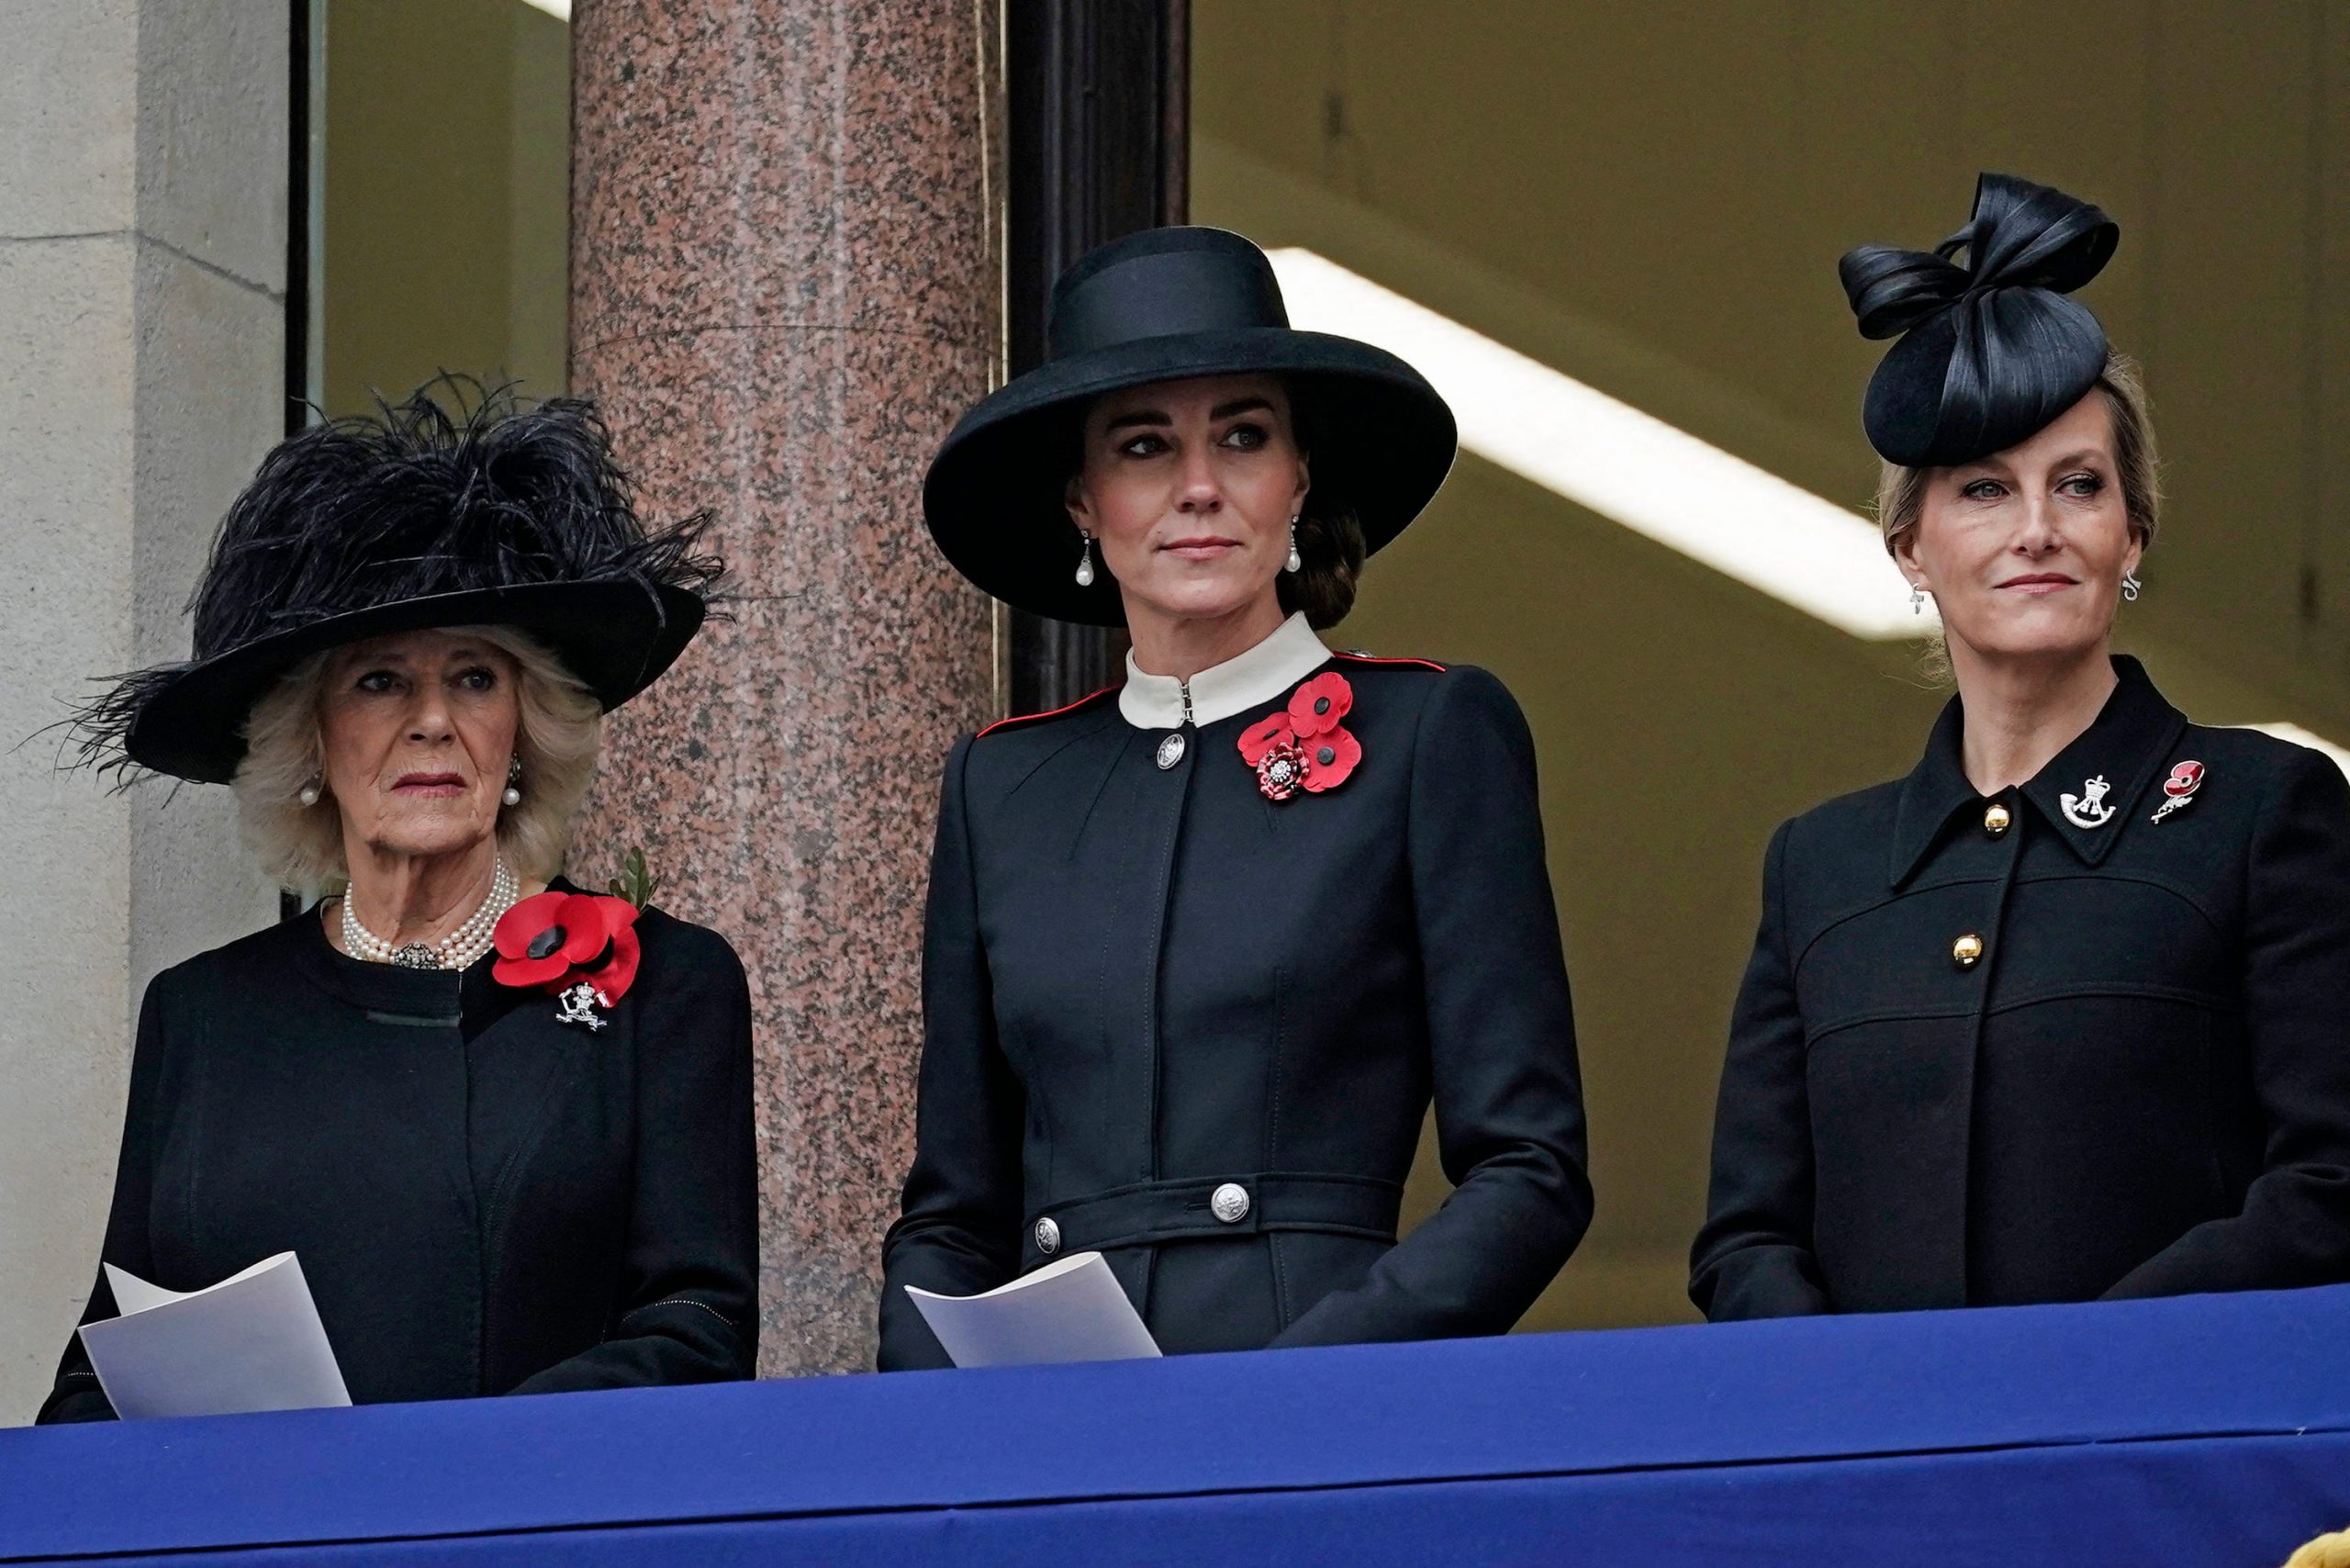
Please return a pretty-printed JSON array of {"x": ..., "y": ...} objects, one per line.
[
  {"x": 1996, "y": 820},
  {"x": 1967, "y": 950}
]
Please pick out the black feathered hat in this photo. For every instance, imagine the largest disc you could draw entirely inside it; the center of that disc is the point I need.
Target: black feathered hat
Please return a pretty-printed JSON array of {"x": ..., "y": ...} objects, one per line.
[
  {"x": 497, "y": 513},
  {"x": 1169, "y": 305},
  {"x": 1991, "y": 352}
]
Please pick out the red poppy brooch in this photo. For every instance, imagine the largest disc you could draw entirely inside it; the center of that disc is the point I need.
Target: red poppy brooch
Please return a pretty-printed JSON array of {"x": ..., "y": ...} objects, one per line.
[
  {"x": 1305, "y": 746},
  {"x": 578, "y": 947},
  {"x": 2178, "y": 789}
]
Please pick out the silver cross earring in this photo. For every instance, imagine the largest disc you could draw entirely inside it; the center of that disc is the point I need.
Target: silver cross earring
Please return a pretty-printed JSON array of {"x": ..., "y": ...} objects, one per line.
[
  {"x": 1296, "y": 563},
  {"x": 1917, "y": 599},
  {"x": 513, "y": 796},
  {"x": 2130, "y": 588},
  {"x": 1085, "y": 561}
]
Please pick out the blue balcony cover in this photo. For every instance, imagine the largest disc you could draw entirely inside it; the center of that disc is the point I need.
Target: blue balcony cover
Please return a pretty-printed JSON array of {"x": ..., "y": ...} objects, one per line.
[{"x": 2204, "y": 1431}]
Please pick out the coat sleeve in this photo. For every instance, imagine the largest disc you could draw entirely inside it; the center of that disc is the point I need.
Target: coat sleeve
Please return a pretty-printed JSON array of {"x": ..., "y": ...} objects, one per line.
[
  {"x": 1753, "y": 1259},
  {"x": 2294, "y": 1228},
  {"x": 688, "y": 1296},
  {"x": 1500, "y": 1041},
  {"x": 76, "y": 1396},
  {"x": 958, "y": 1226}
]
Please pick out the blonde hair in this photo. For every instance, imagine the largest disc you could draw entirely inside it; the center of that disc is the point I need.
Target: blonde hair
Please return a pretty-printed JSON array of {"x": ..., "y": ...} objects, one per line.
[
  {"x": 1901, "y": 491},
  {"x": 301, "y": 847}
]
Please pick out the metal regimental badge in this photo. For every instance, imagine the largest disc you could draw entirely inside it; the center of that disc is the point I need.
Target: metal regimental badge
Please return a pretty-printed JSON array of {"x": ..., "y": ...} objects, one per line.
[
  {"x": 2089, "y": 809},
  {"x": 578, "y": 1006}
]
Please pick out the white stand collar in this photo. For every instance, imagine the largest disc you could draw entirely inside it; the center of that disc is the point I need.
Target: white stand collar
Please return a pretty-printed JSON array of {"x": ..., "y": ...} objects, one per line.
[{"x": 1268, "y": 670}]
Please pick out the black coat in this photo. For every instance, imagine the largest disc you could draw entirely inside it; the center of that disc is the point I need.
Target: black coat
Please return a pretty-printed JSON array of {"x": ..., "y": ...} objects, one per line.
[
  {"x": 2140, "y": 1087},
  {"x": 484, "y": 1199},
  {"x": 1143, "y": 983}
]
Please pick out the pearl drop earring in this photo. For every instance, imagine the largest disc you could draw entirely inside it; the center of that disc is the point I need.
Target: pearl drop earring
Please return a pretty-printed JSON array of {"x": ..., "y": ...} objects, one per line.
[
  {"x": 309, "y": 794},
  {"x": 513, "y": 796},
  {"x": 1296, "y": 563},
  {"x": 1085, "y": 565}
]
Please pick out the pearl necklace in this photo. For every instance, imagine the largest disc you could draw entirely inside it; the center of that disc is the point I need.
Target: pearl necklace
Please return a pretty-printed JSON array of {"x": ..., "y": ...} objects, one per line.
[{"x": 457, "y": 951}]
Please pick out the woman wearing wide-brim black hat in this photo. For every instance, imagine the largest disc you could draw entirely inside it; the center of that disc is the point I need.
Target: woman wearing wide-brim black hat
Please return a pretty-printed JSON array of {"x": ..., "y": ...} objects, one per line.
[
  {"x": 2061, "y": 1014},
  {"x": 504, "y": 1124},
  {"x": 1200, "y": 948}
]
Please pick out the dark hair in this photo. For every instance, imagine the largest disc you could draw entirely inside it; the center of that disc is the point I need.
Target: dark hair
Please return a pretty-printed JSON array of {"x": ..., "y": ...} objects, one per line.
[
  {"x": 1330, "y": 545},
  {"x": 1329, "y": 536}
]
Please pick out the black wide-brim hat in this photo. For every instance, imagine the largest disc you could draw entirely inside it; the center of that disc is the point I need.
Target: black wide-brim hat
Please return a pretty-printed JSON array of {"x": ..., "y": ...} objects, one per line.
[
  {"x": 1990, "y": 353},
  {"x": 1171, "y": 304},
  {"x": 500, "y": 515}
]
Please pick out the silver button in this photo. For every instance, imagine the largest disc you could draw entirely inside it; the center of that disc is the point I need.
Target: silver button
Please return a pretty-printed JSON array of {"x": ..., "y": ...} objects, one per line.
[
  {"x": 1230, "y": 1203},
  {"x": 1170, "y": 751},
  {"x": 1048, "y": 1237}
]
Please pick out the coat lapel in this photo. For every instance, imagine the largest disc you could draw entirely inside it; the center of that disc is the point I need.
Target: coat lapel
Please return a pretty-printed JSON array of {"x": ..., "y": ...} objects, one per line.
[{"x": 2087, "y": 792}]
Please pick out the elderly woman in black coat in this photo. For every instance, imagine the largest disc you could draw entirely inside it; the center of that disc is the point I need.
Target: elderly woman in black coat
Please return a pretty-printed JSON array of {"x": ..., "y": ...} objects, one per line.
[
  {"x": 1200, "y": 948},
  {"x": 504, "y": 1124},
  {"x": 2065, "y": 1014}
]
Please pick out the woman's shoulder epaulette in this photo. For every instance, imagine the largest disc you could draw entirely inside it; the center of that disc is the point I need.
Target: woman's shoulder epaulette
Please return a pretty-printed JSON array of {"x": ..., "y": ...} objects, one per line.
[
  {"x": 1357, "y": 657},
  {"x": 1019, "y": 720}
]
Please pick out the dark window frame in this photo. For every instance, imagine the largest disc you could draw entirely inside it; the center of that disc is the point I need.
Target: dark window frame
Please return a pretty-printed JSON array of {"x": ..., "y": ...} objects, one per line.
[{"x": 1098, "y": 145}]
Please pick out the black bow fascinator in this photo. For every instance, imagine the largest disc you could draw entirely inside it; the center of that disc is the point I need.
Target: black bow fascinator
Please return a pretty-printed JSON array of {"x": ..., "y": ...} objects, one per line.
[
  {"x": 1993, "y": 350},
  {"x": 497, "y": 513}
]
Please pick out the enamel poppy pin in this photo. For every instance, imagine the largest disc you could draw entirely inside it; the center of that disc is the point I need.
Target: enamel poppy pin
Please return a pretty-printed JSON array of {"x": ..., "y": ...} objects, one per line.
[{"x": 2179, "y": 789}]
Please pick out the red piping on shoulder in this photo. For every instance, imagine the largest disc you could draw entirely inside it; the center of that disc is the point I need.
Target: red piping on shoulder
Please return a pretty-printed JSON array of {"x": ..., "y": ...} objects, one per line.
[
  {"x": 1054, "y": 713},
  {"x": 1375, "y": 659}
]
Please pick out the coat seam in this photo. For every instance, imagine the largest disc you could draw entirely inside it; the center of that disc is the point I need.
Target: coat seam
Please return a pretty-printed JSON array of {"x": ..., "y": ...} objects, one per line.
[
  {"x": 2201, "y": 1002},
  {"x": 678, "y": 1300},
  {"x": 1848, "y": 916},
  {"x": 962, "y": 771}
]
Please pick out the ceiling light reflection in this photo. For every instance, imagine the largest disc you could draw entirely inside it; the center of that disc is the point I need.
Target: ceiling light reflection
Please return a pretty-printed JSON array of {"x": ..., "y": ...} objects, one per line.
[{"x": 1617, "y": 460}]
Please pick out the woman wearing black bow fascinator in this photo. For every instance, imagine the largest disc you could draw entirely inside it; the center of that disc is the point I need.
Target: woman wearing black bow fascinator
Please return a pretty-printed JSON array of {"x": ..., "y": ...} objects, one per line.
[
  {"x": 2065, "y": 1014},
  {"x": 503, "y": 1124},
  {"x": 1200, "y": 948}
]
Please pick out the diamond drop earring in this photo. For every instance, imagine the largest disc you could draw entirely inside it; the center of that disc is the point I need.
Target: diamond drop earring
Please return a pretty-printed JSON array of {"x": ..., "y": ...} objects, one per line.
[
  {"x": 513, "y": 796},
  {"x": 1296, "y": 563},
  {"x": 1085, "y": 562},
  {"x": 2130, "y": 586},
  {"x": 1917, "y": 599}
]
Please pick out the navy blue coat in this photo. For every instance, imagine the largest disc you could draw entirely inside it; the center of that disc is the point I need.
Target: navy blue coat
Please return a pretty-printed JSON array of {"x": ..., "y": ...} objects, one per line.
[
  {"x": 484, "y": 1199},
  {"x": 1143, "y": 983},
  {"x": 2133, "y": 1076}
]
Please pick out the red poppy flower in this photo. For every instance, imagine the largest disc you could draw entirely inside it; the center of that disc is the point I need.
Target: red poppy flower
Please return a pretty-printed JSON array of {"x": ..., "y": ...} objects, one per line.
[
  {"x": 556, "y": 940},
  {"x": 1317, "y": 706},
  {"x": 1263, "y": 736},
  {"x": 1329, "y": 760}
]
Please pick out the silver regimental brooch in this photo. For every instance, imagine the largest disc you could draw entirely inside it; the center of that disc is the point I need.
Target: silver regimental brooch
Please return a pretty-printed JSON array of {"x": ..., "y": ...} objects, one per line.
[
  {"x": 578, "y": 1006},
  {"x": 2089, "y": 809}
]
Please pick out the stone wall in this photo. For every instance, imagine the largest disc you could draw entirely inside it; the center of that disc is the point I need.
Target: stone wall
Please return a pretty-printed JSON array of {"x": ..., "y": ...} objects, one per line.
[{"x": 143, "y": 261}]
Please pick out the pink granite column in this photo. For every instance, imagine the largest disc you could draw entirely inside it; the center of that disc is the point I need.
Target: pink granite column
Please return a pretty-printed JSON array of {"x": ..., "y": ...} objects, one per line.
[{"x": 785, "y": 287}]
